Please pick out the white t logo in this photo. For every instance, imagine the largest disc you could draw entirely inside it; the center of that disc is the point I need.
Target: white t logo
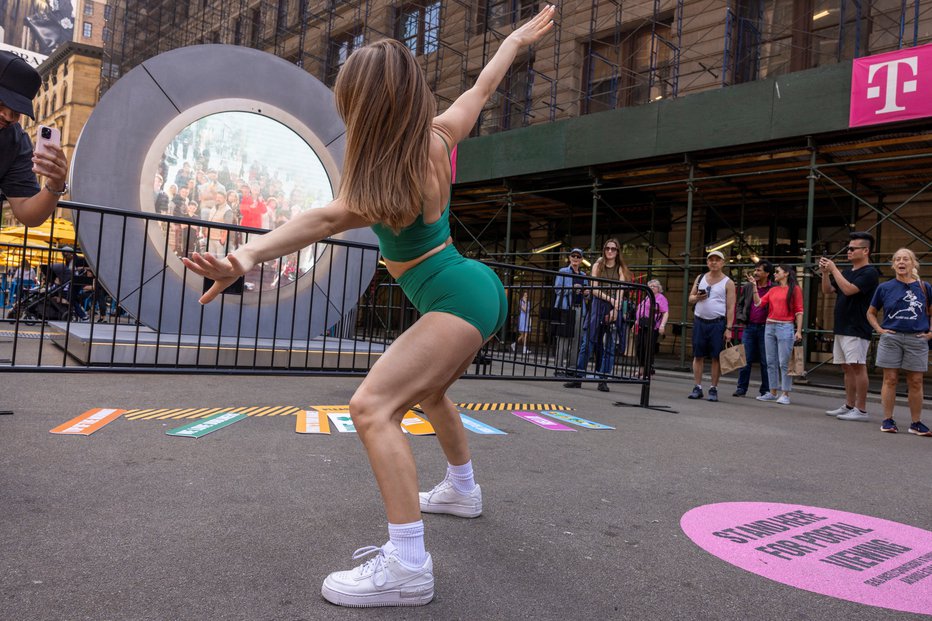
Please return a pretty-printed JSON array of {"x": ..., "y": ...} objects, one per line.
[{"x": 892, "y": 67}]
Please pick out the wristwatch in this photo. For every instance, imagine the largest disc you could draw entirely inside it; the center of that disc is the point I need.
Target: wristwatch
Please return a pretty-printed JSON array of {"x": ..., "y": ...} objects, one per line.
[{"x": 64, "y": 190}]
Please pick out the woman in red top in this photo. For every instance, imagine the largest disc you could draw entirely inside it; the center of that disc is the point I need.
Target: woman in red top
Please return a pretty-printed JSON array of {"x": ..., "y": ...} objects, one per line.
[
  {"x": 784, "y": 311},
  {"x": 252, "y": 209}
]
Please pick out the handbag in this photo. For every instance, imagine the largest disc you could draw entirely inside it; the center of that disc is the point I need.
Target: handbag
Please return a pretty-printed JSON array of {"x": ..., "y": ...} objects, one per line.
[
  {"x": 732, "y": 358},
  {"x": 796, "y": 367}
]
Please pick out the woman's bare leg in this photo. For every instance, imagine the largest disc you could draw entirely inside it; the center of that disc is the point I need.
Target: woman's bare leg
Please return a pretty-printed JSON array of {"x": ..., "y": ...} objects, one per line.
[{"x": 423, "y": 360}]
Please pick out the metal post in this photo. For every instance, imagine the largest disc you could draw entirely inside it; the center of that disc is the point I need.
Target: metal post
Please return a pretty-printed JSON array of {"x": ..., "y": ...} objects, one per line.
[
  {"x": 595, "y": 211},
  {"x": 510, "y": 204},
  {"x": 690, "y": 190},
  {"x": 807, "y": 271},
  {"x": 651, "y": 239}
]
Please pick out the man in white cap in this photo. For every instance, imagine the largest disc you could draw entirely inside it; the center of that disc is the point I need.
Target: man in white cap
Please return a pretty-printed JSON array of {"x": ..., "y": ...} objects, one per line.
[
  {"x": 713, "y": 293},
  {"x": 19, "y": 166}
]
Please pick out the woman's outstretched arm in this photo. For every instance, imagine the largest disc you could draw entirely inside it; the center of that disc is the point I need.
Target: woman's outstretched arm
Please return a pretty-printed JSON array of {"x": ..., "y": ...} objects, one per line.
[
  {"x": 301, "y": 231},
  {"x": 458, "y": 119}
]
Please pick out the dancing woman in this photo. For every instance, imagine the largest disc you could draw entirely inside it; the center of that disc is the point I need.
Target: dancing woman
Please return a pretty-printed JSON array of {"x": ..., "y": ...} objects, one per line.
[{"x": 396, "y": 179}]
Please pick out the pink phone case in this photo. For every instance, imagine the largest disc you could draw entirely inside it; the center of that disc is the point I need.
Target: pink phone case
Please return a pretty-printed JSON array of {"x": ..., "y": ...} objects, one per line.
[{"x": 54, "y": 137}]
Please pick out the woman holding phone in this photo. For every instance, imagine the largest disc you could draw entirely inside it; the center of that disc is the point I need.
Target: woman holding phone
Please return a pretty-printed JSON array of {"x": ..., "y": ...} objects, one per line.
[
  {"x": 397, "y": 180},
  {"x": 784, "y": 304}
]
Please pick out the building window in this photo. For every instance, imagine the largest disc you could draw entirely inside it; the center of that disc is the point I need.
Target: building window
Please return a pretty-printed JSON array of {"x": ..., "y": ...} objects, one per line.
[
  {"x": 88, "y": 8},
  {"x": 498, "y": 13},
  {"x": 618, "y": 72},
  {"x": 108, "y": 11},
  {"x": 238, "y": 31},
  {"x": 88, "y": 30},
  {"x": 106, "y": 33},
  {"x": 256, "y": 25},
  {"x": 775, "y": 37},
  {"x": 341, "y": 47},
  {"x": 418, "y": 27},
  {"x": 281, "y": 17},
  {"x": 509, "y": 105}
]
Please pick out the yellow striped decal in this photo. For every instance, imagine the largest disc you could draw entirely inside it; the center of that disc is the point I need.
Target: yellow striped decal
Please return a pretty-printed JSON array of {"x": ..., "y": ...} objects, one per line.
[
  {"x": 177, "y": 413},
  {"x": 507, "y": 407}
]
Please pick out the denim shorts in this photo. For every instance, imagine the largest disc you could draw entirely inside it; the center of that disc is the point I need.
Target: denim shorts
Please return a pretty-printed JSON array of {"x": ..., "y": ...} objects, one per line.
[
  {"x": 903, "y": 350},
  {"x": 708, "y": 337}
]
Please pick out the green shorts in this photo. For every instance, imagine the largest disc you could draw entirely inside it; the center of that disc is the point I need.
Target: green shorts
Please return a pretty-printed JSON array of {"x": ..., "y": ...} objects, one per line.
[{"x": 447, "y": 282}]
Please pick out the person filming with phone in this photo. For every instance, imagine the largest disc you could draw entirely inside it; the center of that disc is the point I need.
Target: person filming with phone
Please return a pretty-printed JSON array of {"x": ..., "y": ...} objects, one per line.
[
  {"x": 19, "y": 163},
  {"x": 713, "y": 293}
]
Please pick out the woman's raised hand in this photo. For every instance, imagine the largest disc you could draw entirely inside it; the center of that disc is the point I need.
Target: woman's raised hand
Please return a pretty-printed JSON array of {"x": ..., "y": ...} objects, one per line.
[
  {"x": 223, "y": 272},
  {"x": 535, "y": 28}
]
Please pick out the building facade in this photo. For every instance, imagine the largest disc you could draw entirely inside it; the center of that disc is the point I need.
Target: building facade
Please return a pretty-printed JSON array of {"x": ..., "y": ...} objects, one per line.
[{"x": 676, "y": 126}]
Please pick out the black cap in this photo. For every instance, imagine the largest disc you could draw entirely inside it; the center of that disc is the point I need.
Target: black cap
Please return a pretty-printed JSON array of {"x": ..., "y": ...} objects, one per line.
[{"x": 19, "y": 83}]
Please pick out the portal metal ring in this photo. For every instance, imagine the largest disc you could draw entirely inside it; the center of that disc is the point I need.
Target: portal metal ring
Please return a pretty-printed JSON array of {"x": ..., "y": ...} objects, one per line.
[{"x": 120, "y": 148}]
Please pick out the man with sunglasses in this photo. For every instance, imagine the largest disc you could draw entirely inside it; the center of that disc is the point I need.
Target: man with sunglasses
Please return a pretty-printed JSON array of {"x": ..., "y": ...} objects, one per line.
[{"x": 854, "y": 287}]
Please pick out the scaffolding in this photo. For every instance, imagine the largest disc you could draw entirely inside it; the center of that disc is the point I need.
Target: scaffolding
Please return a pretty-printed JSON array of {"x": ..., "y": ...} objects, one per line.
[
  {"x": 604, "y": 54},
  {"x": 607, "y": 54}
]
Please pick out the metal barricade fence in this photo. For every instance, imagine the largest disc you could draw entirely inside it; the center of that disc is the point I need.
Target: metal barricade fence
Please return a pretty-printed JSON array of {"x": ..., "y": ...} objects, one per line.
[{"x": 331, "y": 309}]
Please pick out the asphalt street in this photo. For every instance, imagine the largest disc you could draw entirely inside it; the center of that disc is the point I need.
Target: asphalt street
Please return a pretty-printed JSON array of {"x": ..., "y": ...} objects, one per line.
[{"x": 244, "y": 523}]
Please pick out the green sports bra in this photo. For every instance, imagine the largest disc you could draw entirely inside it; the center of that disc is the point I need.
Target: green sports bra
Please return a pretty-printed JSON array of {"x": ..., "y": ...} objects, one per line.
[{"x": 418, "y": 237}]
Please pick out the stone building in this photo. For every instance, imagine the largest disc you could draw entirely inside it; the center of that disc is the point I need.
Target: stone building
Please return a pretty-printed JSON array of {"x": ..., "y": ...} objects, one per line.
[{"x": 677, "y": 126}]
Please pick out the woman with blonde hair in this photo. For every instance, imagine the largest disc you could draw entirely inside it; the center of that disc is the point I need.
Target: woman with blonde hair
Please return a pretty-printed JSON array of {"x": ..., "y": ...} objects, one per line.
[
  {"x": 603, "y": 314},
  {"x": 397, "y": 180},
  {"x": 904, "y": 337}
]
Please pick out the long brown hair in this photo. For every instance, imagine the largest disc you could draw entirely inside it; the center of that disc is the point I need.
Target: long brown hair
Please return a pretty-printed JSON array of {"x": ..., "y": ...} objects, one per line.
[
  {"x": 388, "y": 108},
  {"x": 620, "y": 271}
]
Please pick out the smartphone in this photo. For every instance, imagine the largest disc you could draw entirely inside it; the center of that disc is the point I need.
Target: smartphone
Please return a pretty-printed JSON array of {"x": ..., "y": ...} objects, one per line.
[{"x": 47, "y": 135}]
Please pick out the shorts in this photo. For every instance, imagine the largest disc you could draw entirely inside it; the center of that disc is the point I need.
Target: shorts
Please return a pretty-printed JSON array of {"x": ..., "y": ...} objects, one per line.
[
  {"x": 447, "y": 282},
  {"x": 708, "y": 337},
  {"x": 850, "y": 349},
  {"x": 904, "y": 350}
]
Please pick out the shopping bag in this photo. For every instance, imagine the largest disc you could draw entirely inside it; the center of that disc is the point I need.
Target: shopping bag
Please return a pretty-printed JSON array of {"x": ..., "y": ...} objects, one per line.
[
  {"x": 796, "y": 367},
  {"x": 732, "y": 358}
]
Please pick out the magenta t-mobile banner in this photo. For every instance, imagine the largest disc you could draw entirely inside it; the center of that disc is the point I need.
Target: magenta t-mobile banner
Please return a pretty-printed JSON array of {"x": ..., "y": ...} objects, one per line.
[{"x": 896, "y": 86}]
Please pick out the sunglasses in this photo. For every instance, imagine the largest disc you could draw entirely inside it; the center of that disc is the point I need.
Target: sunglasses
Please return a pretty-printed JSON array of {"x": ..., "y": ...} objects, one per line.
[
  {"x": 612, "y": 248},
  {"x": 850, "y": 248},
  {"x": 575, "y": 256}
]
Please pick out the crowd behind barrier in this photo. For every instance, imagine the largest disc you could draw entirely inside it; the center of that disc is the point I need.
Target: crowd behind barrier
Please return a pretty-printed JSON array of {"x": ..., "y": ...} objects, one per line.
[{"x": 42, "y": 297}]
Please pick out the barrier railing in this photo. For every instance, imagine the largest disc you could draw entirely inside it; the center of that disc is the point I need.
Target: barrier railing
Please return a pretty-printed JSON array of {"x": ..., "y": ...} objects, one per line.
[{"x": 106, "y": 291}]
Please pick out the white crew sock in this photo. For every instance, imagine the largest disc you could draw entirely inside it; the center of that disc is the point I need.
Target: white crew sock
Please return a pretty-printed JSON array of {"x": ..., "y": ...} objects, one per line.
[
  {"x": 409, "y": 540},
  {"x": 462, "y": 477}
]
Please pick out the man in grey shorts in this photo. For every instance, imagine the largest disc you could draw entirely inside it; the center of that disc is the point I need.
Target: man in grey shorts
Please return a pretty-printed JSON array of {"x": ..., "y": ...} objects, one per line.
[{"x": 854, "y": 287}]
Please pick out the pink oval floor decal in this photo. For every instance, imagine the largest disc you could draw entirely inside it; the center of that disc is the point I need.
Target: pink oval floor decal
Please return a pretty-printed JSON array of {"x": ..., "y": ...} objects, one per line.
[{"x": 845, "y": 555}]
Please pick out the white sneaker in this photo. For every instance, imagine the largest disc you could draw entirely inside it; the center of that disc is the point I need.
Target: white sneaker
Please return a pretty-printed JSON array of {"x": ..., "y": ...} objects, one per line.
[
  {"x": 381, "y": 581},
  {"x": 783, "y": 400},
  {"x": 767, "y": 397},
  {"x": 445, "y": 499},
  {"x": 855, "y": 415},
  {"x": 844, "y": 409}
]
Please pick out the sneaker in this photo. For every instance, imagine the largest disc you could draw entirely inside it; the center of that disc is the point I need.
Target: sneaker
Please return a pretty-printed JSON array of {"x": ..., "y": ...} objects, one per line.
[
  {"x": 888, "y": 425},
  {"x": 572, "y": 384},
  {"x": 444, "y": 498},
  {"x": 767, "y": 396},
  {"x": 713, "y": 394},
  {"x": 603, "y": 387},
  {"x": 784, "y": 400},
  {"x": 837, "y": 411},
  {"x": 696, "y": 393},
  {"x": 739, "y": 393},
  {"x": 381, "y": 581},
  {"x": 855, "y": 415},
  {"x": 919, "y": 429}
]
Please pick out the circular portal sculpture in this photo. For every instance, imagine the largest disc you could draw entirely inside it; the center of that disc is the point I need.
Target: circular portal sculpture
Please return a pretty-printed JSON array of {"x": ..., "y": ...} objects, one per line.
[{"x": 156, "y": 116}]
